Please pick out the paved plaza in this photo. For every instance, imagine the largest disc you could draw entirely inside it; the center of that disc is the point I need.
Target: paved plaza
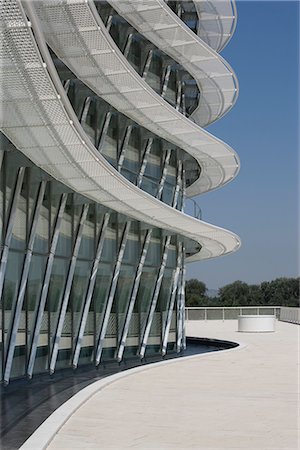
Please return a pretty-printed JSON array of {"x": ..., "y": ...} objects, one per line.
[{"x": 244, "y": 398}]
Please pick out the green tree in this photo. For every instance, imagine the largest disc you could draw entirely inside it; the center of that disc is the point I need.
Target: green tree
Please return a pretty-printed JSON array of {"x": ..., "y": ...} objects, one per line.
[
  {"x": 195, "y": 293},
  {"x": 281, "y": 292},
  {"x": 234, "y": 294}
]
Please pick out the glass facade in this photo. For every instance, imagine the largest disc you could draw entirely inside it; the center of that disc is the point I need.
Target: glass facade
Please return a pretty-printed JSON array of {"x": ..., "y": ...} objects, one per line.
[
  {"x": 168, "y": 78},
  {"x": 77, "y": 277},
  {"x": 81, "y": 283}
]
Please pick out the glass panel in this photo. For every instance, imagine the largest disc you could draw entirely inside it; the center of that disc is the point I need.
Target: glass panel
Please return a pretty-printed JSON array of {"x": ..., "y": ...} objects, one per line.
[
  {"x": 168, "y": 194},
  {"x": 103, "y": 281},
  {"x": 10, "y": 290},
  {"x": 110, "y": 144},
  {"x": 170, "y": 94},
  {"x": 154, "y": 253},
  {"x": 134, "y": 55},
  {"x": 89, "y": 122},
  {"x": 153, "y": 77},
  {"x": 42, "y": 231},
  {"x": 122, "y": 296},
  {"x": 77, "y": 299},
  {"x": 148, "y": 280},
  {"x": 56, "y": 290},
  {"x": 87, "y": 246},
  {"x": 18, "y": 240},
  {"x": 34, "y": 287},
  {"x": 132, "y": 250}
]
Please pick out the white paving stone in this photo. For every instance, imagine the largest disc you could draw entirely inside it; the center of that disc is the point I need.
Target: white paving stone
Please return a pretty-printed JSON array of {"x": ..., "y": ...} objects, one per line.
[{"x": 241, "y": 399}]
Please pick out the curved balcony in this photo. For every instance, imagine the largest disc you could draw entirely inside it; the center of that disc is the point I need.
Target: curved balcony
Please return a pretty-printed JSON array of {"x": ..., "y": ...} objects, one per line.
[
  {"x": 79, "y": 38},
  {"x": 215, "y": 78},
  {"x": 213, "y": 21},
  {"x": 223, "y": 15}
]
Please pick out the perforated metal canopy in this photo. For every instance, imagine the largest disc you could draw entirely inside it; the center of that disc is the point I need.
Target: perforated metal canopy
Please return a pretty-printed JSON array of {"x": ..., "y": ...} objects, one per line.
[
  {"x": 78, "y": 36},
  {"x": 218, "y": 22},
  {"x": 54, "y": 140},
  {"x": 216, "y": 80}
]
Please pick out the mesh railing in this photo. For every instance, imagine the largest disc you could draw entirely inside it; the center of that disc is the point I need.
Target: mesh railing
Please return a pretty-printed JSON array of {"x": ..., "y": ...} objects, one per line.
[
  {"x": 291, "y": 315},
  {"x": 230, "y": 313}
]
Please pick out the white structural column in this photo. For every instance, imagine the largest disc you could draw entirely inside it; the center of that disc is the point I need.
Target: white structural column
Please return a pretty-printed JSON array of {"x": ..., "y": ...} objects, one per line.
[
  {"x": 45, "y": 286},
  {"x": 67, "y": 289},
  {"x": 10, "y": 223},
  {"x": 17, "y": 310},
  {"x": 90, "y": 290},
  {"x": 111, "y": 294}
]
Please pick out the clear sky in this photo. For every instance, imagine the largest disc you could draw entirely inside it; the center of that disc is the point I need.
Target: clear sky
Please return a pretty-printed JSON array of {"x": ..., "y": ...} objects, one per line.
[{"x": 261, "y": 204}]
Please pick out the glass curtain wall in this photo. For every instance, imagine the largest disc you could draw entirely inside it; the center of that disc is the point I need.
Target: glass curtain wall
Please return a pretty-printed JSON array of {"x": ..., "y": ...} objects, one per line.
[{"x": 63, "y": 296}]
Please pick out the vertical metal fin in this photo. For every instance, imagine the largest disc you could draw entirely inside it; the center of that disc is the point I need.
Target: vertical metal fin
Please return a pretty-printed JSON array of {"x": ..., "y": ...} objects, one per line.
[
  {"x": 160, "y": 275},
  {"x": 85, "y": 109},
  {"x": 147, "y": 64},
  {"x": 124, "y": 147},
  {"x": 165, "y": 81},
  {"x": 144, "y": 162},
  {"x": 133, "y": 295},
  {"x": 127, "y": 45},
  {"x": 109, "y": 22},
  {"x": 67, "y": 289},
  {"x": 154, "y": 298},
  {"x": 16, "y": 315},
  {"x": 164, "y": 174},
  {"x": 180, "y": 307},
  {"x": 45, "y": 285},
  {"x": 104, "y": 131},
  {"x": 178, "y": 95},
  {"x": 178, "y": 183},
  {"x": 1, "y": 157},
  {"x": 67, "y": 84},
  {"x": 175, "y": 279},
  {"x": 10, "y": 223},
  {"x": 111, "y": 294},
  {"x": 90, "y": 290},
  {"x": 139, "y": 270}
]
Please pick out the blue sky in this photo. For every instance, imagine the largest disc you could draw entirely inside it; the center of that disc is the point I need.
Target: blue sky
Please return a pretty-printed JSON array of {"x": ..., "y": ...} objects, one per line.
[{"x": 261, "y": 204}]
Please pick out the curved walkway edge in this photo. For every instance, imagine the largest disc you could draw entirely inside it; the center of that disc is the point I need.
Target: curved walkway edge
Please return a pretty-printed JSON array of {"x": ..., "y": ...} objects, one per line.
[{"x": 43, "y": 436}]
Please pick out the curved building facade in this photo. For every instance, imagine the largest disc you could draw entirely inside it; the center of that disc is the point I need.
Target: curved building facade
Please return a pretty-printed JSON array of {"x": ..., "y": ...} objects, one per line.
[{"x": 104, "y": 105}]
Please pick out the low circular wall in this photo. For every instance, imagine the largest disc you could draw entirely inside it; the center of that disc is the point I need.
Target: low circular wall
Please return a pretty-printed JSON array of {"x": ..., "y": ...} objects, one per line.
[{"x": 256, "y": 324}]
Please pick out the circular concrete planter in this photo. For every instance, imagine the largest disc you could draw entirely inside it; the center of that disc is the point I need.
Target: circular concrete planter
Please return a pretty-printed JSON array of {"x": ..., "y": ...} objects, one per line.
[{"x": 256, "y": 324}]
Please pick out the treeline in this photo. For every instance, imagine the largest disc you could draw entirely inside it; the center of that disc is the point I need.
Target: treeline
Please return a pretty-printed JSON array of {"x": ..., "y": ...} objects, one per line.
[{"x": 279, "y": 292}]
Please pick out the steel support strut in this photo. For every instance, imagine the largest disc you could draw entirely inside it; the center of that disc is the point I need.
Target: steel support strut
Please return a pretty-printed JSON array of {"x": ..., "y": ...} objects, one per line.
[
  {"x": 90, "y": 290},
  {"x": 67, "y": 289},
  {"x": 111, "y": 294}
]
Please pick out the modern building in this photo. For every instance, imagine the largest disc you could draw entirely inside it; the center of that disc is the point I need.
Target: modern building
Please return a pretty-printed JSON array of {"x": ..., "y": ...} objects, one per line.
[{"x": 102, "y": 116}]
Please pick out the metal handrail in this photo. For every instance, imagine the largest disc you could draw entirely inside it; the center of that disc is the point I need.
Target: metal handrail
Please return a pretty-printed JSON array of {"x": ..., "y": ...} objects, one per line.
[
  {"x": 222, "y": 309},
  {"x": 197, "y": 211}
]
